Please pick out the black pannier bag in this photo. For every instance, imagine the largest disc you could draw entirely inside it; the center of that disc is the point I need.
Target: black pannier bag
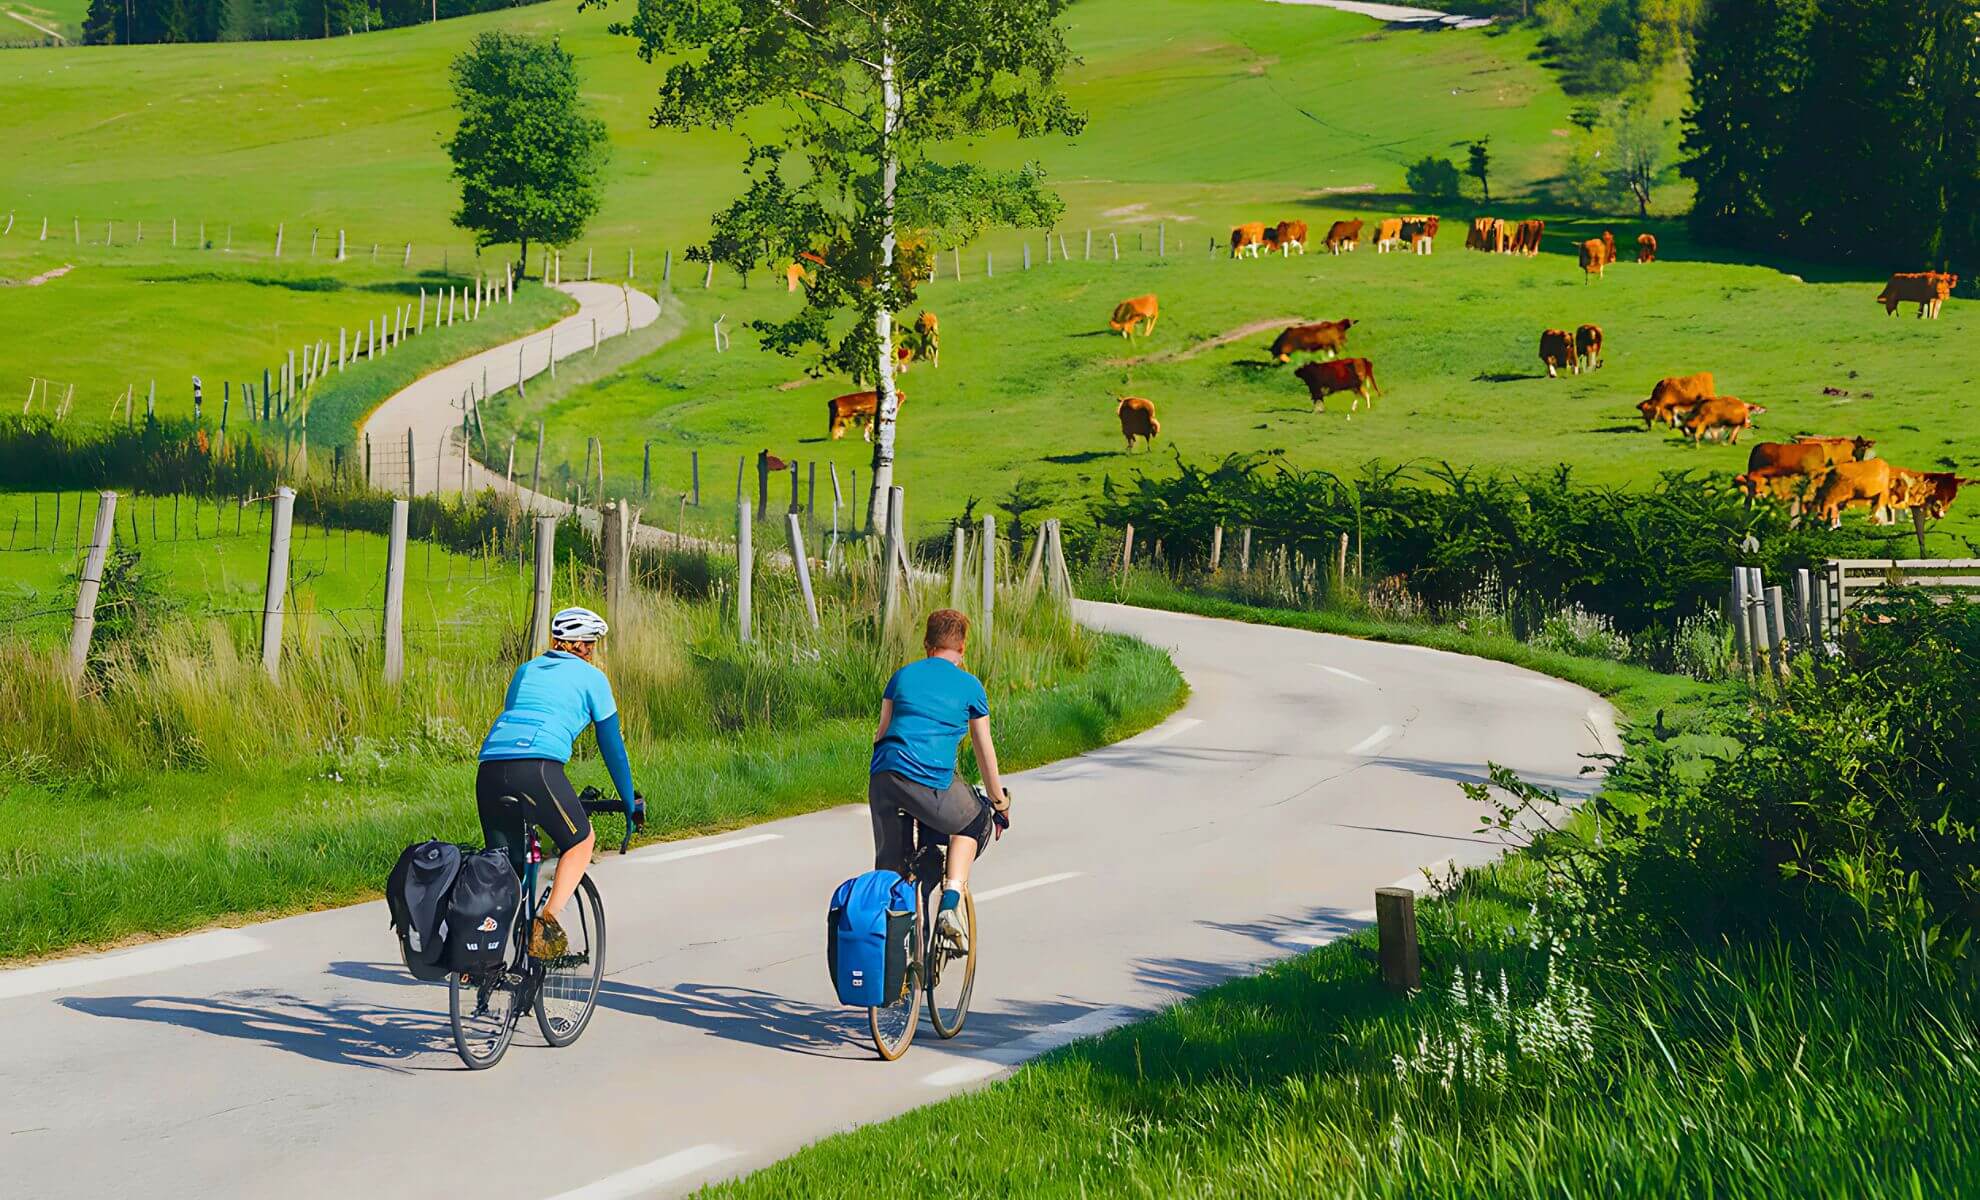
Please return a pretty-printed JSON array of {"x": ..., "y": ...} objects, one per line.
[
  {"x": 417, "y": 894},
  {"x": 481, "y": 914}
]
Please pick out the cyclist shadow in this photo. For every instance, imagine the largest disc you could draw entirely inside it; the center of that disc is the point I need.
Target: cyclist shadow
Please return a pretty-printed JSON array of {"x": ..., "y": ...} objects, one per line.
[{"x": 339, "y": 1032}]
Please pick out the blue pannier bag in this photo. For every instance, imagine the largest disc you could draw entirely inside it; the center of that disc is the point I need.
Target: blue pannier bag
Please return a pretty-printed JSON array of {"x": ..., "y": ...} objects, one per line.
[{"x": 868, "y": 932}]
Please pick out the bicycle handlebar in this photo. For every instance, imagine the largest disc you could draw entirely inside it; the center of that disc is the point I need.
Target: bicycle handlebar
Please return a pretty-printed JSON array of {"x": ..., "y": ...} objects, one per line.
[{"x": 634, "y": 811}]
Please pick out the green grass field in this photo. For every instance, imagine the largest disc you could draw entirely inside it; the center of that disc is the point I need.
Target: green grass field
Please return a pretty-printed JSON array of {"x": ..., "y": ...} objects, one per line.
[{"x": 29, "y": 22}]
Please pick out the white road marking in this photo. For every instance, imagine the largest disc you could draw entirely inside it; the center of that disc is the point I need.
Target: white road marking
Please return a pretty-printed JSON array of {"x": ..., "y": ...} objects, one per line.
[
  {"x": 1156, "y": 737},
  {"x": 1011, "y": 889},
  {"x": 637, "y": 1181},
  {"x": 989, "y": 1062},
  {"x": 1372, "y": 740},
  {"x": 1344, "y": 674},
  {"x": 698, "y": 851},
  {"x": 100, "y": 968},
  {"x": 1415, "y": 881}
]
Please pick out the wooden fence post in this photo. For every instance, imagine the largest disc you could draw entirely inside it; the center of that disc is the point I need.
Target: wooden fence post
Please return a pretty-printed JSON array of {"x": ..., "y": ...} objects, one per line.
[
  {"x": 1244, "y": 553},
  {"x": 796, "y": 534},
  {"x": 1034, "y": 567},
  {"x": 1777, "y": 630},
  {"x": 1127, "y": 551},
  {"x": 1216, "y": 547},
  {"x": 1395, "y": 926},
  {"x": 1058, "y": 578},
  {"x": 745, "y": 566},
  {"x": 694, "y": 475},
  {"x": 795, "y": 506},
  {"x": 612, "y": 536},
  {"x": 986, "y": 602},
  {"x": 546, "y": 565},
  {"x": 645, "y": 465},
  {"x": 958, "y": 550},
  {"x": 409, "y": 464},
  {"x": 83, "y": 626},
  {"x": 1756, "y": 619},
  {"x": 1804, "y": 622},
  {"x": 280, "y": 518},
  {"x": 395, "y": 594}
]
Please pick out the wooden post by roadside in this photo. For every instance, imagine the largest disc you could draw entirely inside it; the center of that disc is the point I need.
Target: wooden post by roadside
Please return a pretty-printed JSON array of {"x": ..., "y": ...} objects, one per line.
[
  {"x": 83, "y": 626},
  {"x": 1127, "y": 552},
  {"x": 645, "y": 464},
  {"x": 744, "y": 568},
  {"x": 1244, "y": 553},
  {"x": 1736, "y": 617},
  {"x": 795, "y": 507},
  {"x": 1777, "y": 631},
  {"x": 613, "y": 537},
  {"x": 1395, "y": 925},
  {"x": 958, "y": 550},
  {"x": 281, "y": 516},
  {"x": 1058, "y": 578},
  {"x": 395, "y": 594},
  {"x": 694, "y": 475},
  {"x": 546, "y": 563},
  {"x": 1804, "y": 615},
  {"x": 1034, "y": 567},
  {"x": 1216, "y": 547},
  {"x": 986, "y": 604},
  {"x": 793, "y": 530}
]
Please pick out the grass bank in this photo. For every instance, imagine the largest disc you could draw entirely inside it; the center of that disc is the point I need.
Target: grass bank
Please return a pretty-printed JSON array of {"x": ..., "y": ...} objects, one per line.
[{"x": 1581, "y": 1030}]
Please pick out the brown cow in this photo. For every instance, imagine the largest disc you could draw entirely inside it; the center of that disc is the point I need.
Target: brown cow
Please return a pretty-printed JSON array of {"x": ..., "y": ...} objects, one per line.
[
  {"x": 1557, "y": 350},
  {"x": 1478, "y": 237},
  {"x": 1808, "y": 455},
  {"x": 1136, "y": 310},
  {"x": 1608, "y": 246},
  {"x": 1138, "y": 421},
  {"x": 1646, "y": 247},
  {"x": 1355, "y": 375},
  {"x": 1343, "y": 236},
  {"x": 1321, "y": 337},
  {"x": 1780, "y": 483},
  {"x": 1388, "y": 234},
  {"x": 1420, "y": 233},
  {"x": 1927, "y": 289},
  {"x": 1931, "y": 492},
  {"x": 855, "y": 408},
  {"x": 1587, "y": 345},
  {"x": 1721, "y": 412},
  {"x": 1249, "y": 236},
  {"x": 1526, "y": 238},
  {"x": 1285, "y": 237},
  {"x": 1594, "y": 256},
  {"x": 1674, "y": 396},
  {"x": 1851, "y": 483}
]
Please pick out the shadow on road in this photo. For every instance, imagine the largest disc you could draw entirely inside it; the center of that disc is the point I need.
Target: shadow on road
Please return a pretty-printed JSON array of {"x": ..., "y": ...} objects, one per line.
[{"x": 340, "y": 1032}]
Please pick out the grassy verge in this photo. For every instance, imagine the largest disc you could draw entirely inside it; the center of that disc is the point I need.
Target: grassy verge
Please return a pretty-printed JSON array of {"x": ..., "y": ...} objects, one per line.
[{"x": 1564, "y": 1044}]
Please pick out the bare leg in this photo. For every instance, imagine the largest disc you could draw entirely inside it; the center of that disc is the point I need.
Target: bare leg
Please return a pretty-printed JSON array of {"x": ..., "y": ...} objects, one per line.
[
  {"x": 571, "y": 865},
  {"x": 962, "y": 855}
]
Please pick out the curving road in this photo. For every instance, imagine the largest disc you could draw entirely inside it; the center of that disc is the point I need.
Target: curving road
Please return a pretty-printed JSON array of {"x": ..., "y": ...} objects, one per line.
[{"x": 294, "y": 1058}]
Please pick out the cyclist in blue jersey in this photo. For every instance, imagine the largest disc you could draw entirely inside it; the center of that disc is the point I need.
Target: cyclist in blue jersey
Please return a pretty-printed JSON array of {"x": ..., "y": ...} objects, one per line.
[
  {"x": 925, "y": 711},
  {"x": 551, "y": 700}
]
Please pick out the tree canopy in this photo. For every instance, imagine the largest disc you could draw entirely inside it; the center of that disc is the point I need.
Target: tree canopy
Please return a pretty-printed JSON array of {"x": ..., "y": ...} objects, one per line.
[{"x": 527, "y": 152}]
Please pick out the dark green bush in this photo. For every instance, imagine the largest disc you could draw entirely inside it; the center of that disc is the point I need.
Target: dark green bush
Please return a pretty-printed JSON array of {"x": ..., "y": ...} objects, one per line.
[{"x": 1433, "y": 178}]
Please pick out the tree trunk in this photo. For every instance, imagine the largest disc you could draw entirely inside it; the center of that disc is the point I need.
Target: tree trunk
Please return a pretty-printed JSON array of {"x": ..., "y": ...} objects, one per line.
[
  {"x": 887, "y": 401},
  {"x": 522, "y": 272}
]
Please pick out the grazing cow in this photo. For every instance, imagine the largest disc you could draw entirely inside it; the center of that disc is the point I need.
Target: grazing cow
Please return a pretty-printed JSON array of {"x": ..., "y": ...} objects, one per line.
[
  {"x": 1594, "y": 256},
  {"x": 770, "y": 462},
  {"x": 855, "y": 408},
  {"x": 1420, "y": 233},
  {"x": 1608, "y": 246},
  {"x": 1476, "y": 237},
  {"x": 1557, "y": 350},
  {"x": 1646, "y": 247},
  {"x": 1795, "y": 487},
  {"x": 1850, "y": 483},
  {"x": 1808, "y": 455},
  {"x": 1674, "y": 396},
  {"x": 1526, "y": 237},
  {"x": 1388, "y": 234},
  {"x": 1587, "y": 345},
  {"x": 1715, "y": 413},
  {"x": 1343, "y": 236},
  {"x": 1927, "y": 289},
  {"x": 1355, "y": 375},
  {"x": 1137, "y": 421},
  {"x": 1321, "y": 337},
  {"x": 1285, "y": 237},
  {"x": 1137, "y": 310},
  {"x": 1249, "y": 236}
]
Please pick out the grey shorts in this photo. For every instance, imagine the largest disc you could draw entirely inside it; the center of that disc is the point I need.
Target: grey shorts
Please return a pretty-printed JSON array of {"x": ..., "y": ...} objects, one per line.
[{"x": 951, "y": 811}]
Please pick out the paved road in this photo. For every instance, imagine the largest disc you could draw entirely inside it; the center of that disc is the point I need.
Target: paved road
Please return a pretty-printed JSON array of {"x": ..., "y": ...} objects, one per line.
[{"x": 294, "y": 1058}]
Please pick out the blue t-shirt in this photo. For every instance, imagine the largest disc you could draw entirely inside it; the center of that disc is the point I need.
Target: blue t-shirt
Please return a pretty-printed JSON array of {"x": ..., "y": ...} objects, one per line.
[
  {"x": 934, "y": 701},
  {"x": 552, "y": 699}
]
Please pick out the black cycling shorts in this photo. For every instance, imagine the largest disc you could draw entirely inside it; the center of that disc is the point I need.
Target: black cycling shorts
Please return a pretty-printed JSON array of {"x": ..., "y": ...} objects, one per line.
[
  {"x": 512, "y": 794},
  {"x": 953, "y": 811}
]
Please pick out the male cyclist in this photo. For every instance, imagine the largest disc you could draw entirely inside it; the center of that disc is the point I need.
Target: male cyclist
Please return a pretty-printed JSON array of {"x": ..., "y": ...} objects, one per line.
[
  {"x": 927, "y": 707},
  {"x": 551, "y": 700}
]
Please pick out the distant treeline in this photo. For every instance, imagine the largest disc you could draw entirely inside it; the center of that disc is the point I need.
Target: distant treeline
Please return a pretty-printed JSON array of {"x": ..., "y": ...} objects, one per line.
[
  {"x": 129, "y": 22},
  {"x": 1840, "y": 130}
]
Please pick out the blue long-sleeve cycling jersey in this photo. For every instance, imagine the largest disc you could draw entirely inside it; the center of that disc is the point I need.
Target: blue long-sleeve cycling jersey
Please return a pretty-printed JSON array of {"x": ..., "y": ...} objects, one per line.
[{"x": 551, "y": 699}]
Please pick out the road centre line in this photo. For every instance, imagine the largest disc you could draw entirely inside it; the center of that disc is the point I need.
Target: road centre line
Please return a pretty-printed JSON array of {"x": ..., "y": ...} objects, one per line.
[
  {"x": 1012, "y": 889},
  {"x": 69, "y": 974},
  {"x": 1344, "y": 674},
  {"x": 989, "y": 1062},
  {"x": 1372, "y": 740},
  {"x": 638, "y": 1181},
  {"x": 698, "y": 851}
]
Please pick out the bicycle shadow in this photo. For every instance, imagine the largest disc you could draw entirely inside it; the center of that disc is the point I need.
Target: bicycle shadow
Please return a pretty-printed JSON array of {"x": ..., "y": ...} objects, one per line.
[{"x": 340, "y": 1033}]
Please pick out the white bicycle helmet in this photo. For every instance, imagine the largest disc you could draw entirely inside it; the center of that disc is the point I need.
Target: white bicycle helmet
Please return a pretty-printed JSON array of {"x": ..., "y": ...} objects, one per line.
[{"x": 577, "y": 625}]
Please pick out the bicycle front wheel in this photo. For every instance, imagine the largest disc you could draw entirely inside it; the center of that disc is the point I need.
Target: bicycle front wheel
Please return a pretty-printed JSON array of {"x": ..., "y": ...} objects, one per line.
[
  {"x": 569, "y": 992},
  {"x": 893, "y": 1026},
  {"x": 483, "y": 1011},
  {"x": 951, "y": 976}
]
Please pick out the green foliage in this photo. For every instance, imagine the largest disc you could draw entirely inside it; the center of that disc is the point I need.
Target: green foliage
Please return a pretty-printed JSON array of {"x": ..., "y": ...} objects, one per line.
[
  {"x": 121, "y": 22},
  {"x": 1433, "y": 178},
  {"x": 1478, "y": 164},
  {"x": 528, "y": 153},
  {"x": 1840, "y": 129},
  {"x": 1609, "y": 46}
]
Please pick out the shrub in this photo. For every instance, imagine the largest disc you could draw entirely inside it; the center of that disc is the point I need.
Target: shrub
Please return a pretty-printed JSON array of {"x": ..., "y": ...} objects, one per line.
[{"x": 1433, "y": 178}]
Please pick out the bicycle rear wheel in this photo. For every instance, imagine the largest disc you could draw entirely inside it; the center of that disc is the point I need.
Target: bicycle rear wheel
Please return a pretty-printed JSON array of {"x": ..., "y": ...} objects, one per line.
[
  {"x": 893, "y": 1026},
  {"x": 951, "y": 976},
  {"x": 569, "y": 992},
  {"x": 483, "y": 1010}
]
